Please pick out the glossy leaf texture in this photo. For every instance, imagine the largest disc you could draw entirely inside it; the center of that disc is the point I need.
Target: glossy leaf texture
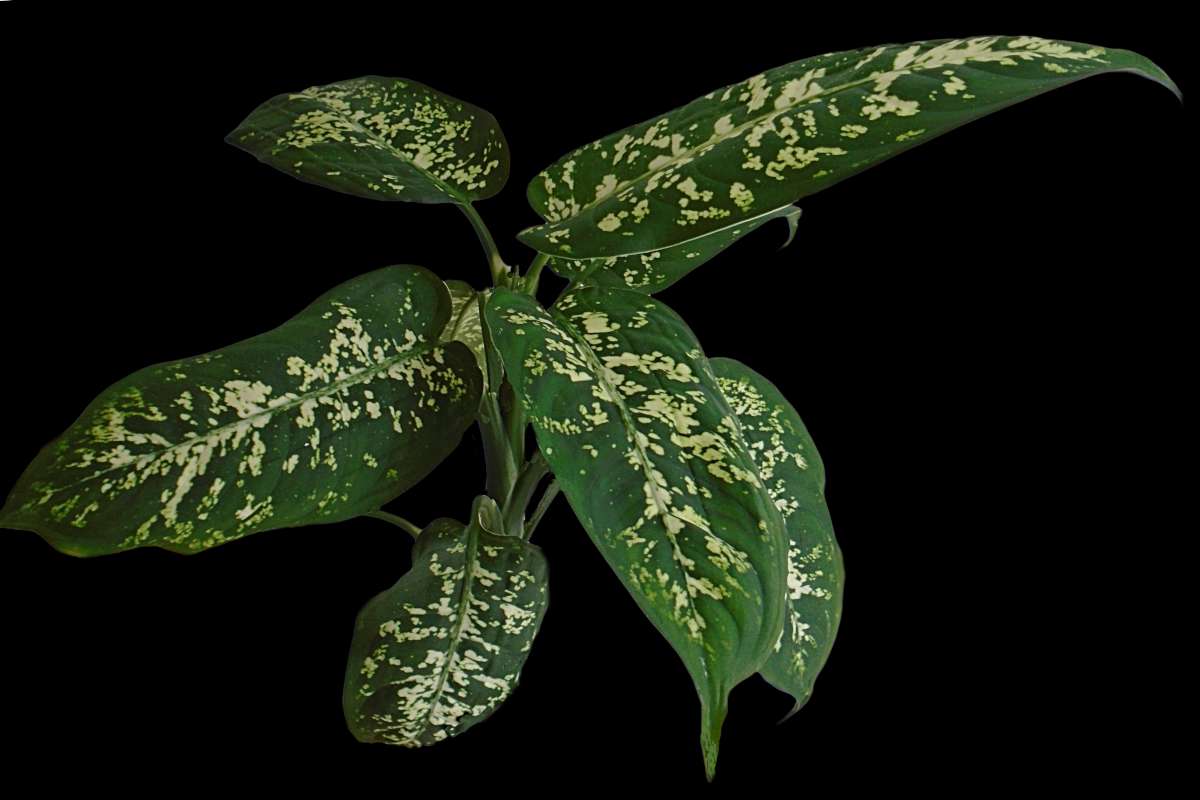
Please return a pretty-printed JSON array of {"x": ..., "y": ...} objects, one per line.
[
  {"x": 790, "y": 467},
  {"x": 330, "y": 415},
  {"x": 380, "y": 138},
  {"x": 654, "y": 271},
  {"x": 439, "y": 651},
  {"x": 651, "y": 457},
  {"x": 464, "y": 325},
  {"x": 768, "y": 141}
]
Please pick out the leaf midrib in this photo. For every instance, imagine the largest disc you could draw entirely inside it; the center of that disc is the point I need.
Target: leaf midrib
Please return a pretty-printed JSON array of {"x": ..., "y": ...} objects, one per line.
[
  {"x": 400, "y": 154},
  {"x": 330, "y": 388},
  {"x": 563, "y": 322},
  {"x": 464, "y": 607},
  {"x": 718, "y": 139}
]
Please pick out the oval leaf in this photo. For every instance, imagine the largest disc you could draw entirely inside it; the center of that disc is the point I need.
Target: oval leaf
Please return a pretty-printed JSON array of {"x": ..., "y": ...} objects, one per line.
[
  {"x": 658, "y": 269},
  {"x": 440, "y": 650},
  {"x": 787, "y": 133},
  {"x": 792, "y": 471},
  {"x": 380, "y": 138},
  {"x": 330, "y": 415},
  {"x": 651, "y": 458}
]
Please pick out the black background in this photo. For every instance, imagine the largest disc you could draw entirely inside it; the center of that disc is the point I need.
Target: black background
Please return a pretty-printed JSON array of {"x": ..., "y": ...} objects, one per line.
[{"x": 985, "y": 337}]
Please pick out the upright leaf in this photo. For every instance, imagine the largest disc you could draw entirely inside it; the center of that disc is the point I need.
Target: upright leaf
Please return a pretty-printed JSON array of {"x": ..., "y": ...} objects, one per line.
[
  {"x": 440, "y": 650},
  {"x": 464, "y": 325},
  {"x": 790, "y": 467},
  {"x": 380, "y": 138},
  {"x": 330, "y": 415},
  {"x": 789, "y": 132},
  {"x": 652, "y": 460}
]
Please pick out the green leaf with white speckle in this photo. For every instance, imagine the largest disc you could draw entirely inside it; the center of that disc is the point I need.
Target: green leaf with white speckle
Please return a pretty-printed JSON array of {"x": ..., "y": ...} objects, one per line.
[
  {"x": 787, "y": 133},
  {"x": 442, "y": 649},
  {"x": 330, "y": 415},
  {"x": 789, "y": 465},
  {"x": 380, "y": 138},
  {"x": 464, "y": 325},
  {"x": 644, "y": 445},
  {"x": 654, "y": 271}
]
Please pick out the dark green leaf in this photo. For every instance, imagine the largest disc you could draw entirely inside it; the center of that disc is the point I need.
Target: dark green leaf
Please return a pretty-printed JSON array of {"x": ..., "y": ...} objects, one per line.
[
  {"x": 464, "y": 325},
  {"x": 330, "y": 415},
  {"x": 789, "y": 132},
  {"x": 790, "y": 467},
  {"x": 380, "y": 138},
  {"x": 652, "y": 460},
  {"x": 439, "y": 651},
  {"x": 658, "y": 269}
]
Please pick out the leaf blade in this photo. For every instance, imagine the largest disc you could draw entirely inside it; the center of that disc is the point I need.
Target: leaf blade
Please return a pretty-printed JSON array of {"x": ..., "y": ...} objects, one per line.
[
  {"x": 654, "y": 271},
  {"x": 644, "y": 446},
  {"x": 465, "y": 325},
  {"x": 440, "y": 650},
  {"x": 382, "y": 139},
  {"x": 189, "y": 454},
  {"x": 792, "y": 470},
  {"x": 787, "y": 133}
]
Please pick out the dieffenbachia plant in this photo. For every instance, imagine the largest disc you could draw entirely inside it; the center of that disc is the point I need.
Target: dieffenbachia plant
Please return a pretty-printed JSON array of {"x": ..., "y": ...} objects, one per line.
[{"x": 694, "y": 477}]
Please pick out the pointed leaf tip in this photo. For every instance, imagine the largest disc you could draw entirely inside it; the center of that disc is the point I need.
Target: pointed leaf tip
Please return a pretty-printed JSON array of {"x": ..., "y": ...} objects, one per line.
[
  {"x": 786, "y": 133},
  {"x": 711, "y": 720},
  {"x": 793, "y": 222},
  {"x": 327, "y": 417}
]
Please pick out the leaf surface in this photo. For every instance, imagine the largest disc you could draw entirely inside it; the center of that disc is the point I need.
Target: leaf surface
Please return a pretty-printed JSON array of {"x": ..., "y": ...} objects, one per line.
[
  {"x": 464, "y": 325},
  {"x": 792, "y": 471},
  {"x": 651, "y": 458},
  {"x": 330, "y": 415},
  {"x": 654, "y": 271},
  {"x": 380, "y": 138},
  {"x": 439, "y": 651},
  {"x": 768, "y": 141}
]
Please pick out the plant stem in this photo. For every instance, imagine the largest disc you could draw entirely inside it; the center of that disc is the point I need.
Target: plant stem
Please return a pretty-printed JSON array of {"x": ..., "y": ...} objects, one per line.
[
  {"x": 399, "y": 522},
  {"x": 543, "y": 504},
  {"x": 496, "y": 264},
  {"x": 514, "y": 423},
  {"x": 497, "y": 452},
  {"x": 527, "y": 482},
  {"x": 529, "y": 284}
]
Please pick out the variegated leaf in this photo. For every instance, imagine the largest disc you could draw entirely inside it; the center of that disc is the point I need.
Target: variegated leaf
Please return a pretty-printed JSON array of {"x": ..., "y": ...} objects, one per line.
[
  {"x": 658, "y": 269},
  {"x": 380, "y": 138},
  {"x": 787, "y": 133},
  {"x": 330, "y": 415},
  {"x": 464, "y": 325},
  {"x": 790, "y": 467},
  {"x": 652, "y": 460},
  {"x": 439, "y": 651}
]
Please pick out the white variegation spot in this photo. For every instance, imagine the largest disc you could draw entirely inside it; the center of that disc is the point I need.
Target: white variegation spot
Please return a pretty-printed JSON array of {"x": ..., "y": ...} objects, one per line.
[
  {"x": 616, "y": 386},
  {"x": 788, "y": 465},
  {"x": 440, "y": 650},
  {"x": 281, "y": 430},
  {"x": 653, "y": 271},
  {"x": 380, "y": 138},
  {"x": 762, "y": 144}
]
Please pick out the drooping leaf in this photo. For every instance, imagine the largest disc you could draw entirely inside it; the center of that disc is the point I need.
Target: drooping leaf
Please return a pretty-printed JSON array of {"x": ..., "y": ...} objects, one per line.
[
  {"x": 651, "y": 458},
  {"x": 787, "y": 133},
  {"x": 330, "y": 415},
  {"x": 654, "y": 271},
  {"x": 439, "y": 651},
  {"x": 380, "y": 138},
  {"x": 464, "y": 325},
  {"x": 789, "y": 465}
]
